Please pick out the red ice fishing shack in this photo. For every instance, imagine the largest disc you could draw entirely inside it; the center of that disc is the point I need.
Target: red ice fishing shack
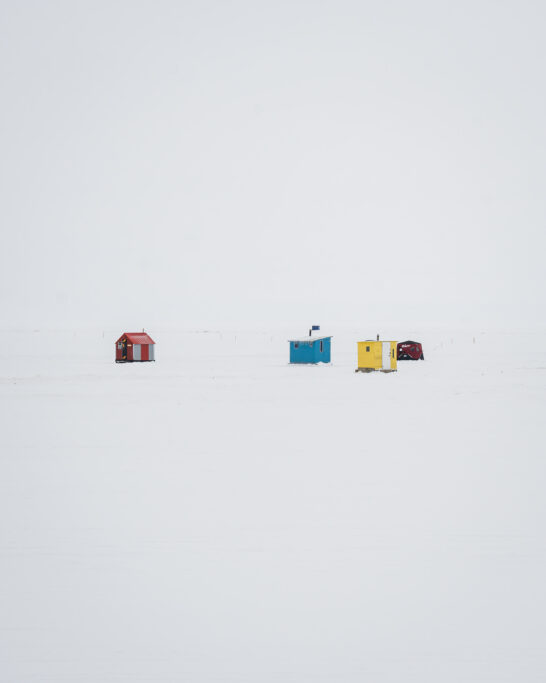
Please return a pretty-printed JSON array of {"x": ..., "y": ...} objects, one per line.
[{"x": 134, "y": 347}]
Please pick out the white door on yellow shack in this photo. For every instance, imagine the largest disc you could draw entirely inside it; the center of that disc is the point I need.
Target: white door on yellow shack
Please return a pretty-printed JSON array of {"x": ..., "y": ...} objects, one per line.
[{"x": 386, "y": 355}]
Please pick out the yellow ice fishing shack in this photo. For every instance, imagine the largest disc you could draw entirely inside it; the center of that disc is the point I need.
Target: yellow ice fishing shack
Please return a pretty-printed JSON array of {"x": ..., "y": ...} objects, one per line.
[{"x": 376, "y": 355}]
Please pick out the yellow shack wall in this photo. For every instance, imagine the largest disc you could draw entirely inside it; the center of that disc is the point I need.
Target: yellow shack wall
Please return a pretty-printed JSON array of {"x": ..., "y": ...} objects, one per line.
[
  {"x": 370, "y": 359},
  {"x": 373, "y": 358}
]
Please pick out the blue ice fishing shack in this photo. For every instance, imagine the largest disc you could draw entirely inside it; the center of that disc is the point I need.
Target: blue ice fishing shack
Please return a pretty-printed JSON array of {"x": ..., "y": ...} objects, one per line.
[{"x": 310, "y": 349}]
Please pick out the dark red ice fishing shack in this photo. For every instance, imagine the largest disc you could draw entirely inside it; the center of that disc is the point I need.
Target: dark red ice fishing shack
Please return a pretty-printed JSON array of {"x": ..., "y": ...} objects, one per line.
[{"x": 134, "y": 346}]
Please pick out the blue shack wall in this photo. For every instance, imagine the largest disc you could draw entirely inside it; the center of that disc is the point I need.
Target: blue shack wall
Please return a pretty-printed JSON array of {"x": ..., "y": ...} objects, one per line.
[
  {"x": 309, "y": 352},
  {"x": 324, "y": 357}
]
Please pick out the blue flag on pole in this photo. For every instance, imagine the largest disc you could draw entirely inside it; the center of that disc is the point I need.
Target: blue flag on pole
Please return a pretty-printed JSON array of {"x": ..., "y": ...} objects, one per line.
[{"x": 315, "y": 327}]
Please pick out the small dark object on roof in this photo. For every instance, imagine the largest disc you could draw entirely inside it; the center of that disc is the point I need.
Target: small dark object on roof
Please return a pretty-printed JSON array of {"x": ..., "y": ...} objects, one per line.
[{"x": 410, "y": 350}]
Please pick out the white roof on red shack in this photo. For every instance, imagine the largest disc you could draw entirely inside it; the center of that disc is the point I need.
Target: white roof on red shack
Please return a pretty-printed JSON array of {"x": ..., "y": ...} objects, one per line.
[{"x": 137, "y": 338}]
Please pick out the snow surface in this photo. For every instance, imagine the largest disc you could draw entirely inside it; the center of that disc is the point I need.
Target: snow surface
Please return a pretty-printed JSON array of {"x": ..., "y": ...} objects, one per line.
[{"x": 220, "y": 515}]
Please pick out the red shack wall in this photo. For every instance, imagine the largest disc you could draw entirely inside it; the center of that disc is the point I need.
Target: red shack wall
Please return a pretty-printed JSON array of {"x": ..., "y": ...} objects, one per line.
[{"x": 144, "y": 351}]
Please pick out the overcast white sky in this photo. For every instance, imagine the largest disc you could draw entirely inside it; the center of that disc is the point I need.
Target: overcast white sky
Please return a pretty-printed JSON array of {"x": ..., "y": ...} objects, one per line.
[{"x": 178, "y": 161}]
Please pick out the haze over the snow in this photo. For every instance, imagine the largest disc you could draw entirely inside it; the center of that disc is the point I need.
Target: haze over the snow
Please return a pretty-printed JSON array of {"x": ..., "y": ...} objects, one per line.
[
  {"x": 280, "y": 161},
  {"x": 221, "y": 515}
]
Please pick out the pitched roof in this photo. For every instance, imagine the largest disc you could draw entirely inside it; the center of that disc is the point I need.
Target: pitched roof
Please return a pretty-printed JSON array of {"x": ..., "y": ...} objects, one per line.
[{"x": 137, "y": 338}]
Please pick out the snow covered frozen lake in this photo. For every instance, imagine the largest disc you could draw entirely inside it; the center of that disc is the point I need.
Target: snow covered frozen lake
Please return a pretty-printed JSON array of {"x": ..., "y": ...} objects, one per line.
[{"x": 220, "y": 515}]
